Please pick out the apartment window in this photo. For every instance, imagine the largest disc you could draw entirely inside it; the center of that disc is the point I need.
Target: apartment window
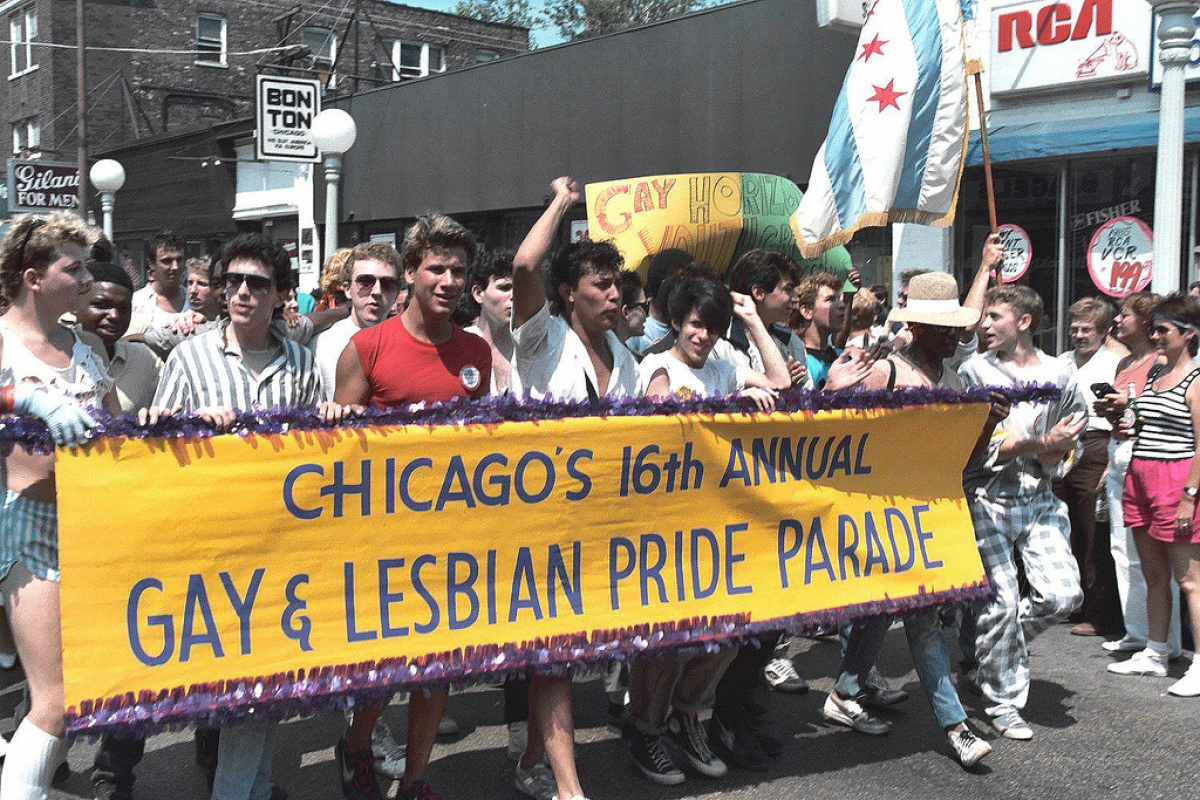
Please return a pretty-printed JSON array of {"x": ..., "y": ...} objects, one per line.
[
  {"x": 417, "y": 59},
  {"x": 22, "y": 29},
  {"x": 27, "y": 136},
  {"x": 485, "y": 56},
  {"x": 322, "y": 43},
  {"x": 210, "y": 39}
]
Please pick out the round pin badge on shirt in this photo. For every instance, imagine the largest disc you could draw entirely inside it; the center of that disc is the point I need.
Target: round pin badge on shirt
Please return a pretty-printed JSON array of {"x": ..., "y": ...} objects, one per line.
[{"x": 470, "y": 377}]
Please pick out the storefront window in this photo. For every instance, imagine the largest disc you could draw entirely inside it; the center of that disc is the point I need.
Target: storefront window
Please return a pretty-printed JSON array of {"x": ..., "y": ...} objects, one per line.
[
  {"x": 1026, "y": 196},
  {"x": 1101, "y": 190}
]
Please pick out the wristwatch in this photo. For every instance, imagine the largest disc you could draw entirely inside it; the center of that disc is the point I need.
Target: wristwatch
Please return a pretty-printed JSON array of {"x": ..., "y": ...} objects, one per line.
[{"x": 1191, "y": 491}]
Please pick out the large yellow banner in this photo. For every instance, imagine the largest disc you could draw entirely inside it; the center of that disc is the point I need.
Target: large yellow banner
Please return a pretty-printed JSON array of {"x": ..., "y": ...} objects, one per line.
[{"x": 308, "y": 564}]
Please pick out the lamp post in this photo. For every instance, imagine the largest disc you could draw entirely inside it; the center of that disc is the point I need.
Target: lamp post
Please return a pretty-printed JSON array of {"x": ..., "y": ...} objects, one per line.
[
  {"x": 108, "y": 176},
  {"x": 333, "y": 131},
  {"x": 1176, "y": 27}
]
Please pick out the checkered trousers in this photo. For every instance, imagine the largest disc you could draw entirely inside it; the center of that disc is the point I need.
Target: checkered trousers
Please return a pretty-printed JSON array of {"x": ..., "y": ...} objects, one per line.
[{"x": 1036, "y": 530}]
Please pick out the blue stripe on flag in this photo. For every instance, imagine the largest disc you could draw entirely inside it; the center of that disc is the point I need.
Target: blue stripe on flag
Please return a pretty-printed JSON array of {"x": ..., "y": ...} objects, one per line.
[
  {"x": 926, "y": 31},
  {"x": 842, "y": 163}
]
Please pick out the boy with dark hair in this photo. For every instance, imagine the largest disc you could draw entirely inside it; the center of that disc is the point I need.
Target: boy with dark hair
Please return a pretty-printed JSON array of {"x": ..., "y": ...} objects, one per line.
[
  {"x": 417, "y": 356},
  {"x": 239, "y": 364},
  {"x": 667, "y": 691},
  {"x": 133, "y": 366},
  {"x": 163, "y": 298},
  {"x": 1016, "y": 515},
  {"x": 570, "y": 355},
  {"x": 820, "y": 312},
  {"x": 634, "y": 306},
  {"x": 491, "y": 292},
  {"x": 768, "y": 278},
  {"x": 664, "y": 266}
]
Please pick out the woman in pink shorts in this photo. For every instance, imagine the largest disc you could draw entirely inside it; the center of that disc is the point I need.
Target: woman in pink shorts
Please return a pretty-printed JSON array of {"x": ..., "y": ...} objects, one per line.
[{"x": 1162, "y": 485}]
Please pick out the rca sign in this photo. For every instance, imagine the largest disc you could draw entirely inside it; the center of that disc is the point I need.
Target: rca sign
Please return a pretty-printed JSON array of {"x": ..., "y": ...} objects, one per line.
[{"x": 1072, "y": 42}]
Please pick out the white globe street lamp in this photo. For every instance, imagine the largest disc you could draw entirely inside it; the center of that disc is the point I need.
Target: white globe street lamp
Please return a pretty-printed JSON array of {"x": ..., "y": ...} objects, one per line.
[
  {"x": 333, "y": 131},
  {"x": 108, "y": 176}
]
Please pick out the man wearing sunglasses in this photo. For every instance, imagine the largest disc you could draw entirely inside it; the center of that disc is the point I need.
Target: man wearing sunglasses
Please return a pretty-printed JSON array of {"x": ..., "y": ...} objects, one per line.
[
  {"x": 242, "y": 363},
  {"x": 372, "y": 281}
]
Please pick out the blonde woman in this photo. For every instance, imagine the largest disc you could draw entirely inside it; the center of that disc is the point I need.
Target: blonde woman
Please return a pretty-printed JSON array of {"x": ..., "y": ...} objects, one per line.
[{"x": 55, "y": 373}]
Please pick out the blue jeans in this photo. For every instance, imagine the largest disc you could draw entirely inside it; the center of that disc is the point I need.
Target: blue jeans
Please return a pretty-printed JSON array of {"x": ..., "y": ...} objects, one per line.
[
  {"x": 861, "y": 642},
  {"x": 244, "y": 762},
  {"x": 931, "y": 657},
  {"x": 863, "y": 639}
]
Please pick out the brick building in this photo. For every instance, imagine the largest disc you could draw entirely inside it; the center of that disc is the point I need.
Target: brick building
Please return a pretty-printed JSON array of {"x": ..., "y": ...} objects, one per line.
[{"x": 218, "y": 46}]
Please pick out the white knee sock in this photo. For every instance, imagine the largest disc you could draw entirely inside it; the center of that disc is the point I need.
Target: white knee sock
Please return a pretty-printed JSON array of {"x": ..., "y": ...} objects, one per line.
[{"x": 33, "y": 756}]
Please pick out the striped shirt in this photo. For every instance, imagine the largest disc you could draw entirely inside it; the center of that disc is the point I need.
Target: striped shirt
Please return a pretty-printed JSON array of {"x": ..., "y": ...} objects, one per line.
[
  {"x": 1164, "y": 422},
  {"x": 204, "y": 372}
]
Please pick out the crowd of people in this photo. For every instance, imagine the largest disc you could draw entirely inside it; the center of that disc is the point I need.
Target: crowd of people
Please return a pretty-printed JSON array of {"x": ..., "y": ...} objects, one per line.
[{"x": 439, "y": 320}]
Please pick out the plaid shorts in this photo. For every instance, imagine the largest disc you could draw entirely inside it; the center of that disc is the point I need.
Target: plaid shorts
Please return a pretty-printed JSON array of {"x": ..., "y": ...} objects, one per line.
[{"x": 29, "y": 535}]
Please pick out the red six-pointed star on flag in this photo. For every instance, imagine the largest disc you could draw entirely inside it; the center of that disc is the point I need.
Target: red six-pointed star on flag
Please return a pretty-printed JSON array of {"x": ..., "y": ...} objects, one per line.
[
  {"x": 872, "y": 47},
  {"x": 886, "y": 96}
]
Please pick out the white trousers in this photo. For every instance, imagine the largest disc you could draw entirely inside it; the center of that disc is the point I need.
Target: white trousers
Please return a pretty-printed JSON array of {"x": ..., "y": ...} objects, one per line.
[{"x": 1131, "y": 584}]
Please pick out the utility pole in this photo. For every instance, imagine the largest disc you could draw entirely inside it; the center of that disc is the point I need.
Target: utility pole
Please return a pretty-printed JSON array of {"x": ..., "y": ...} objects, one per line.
[
  {"x": 356, "y": 62},
  {"x": 81, "y": 108}
]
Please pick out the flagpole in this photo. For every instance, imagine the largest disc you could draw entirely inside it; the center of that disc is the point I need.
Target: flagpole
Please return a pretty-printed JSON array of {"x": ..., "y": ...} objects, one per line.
[{"x": 987, "y": 156}]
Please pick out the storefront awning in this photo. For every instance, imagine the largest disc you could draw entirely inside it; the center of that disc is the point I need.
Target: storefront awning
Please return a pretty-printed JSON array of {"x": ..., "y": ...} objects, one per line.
[{"x": 1061, "y": 138}]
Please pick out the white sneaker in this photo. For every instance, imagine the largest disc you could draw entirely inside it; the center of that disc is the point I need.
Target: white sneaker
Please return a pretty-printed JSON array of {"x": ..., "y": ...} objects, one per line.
[
  {"x": 1147, "y": 662},
  {"x": 518, "y": 738},
  {"x": 1124, "y": 645},
  {"x": 389, "y": 756},
  {"x": 537, "y": 782},
  {"x": 1189, "y": 684},
  {"x": 968, "y": 748}
]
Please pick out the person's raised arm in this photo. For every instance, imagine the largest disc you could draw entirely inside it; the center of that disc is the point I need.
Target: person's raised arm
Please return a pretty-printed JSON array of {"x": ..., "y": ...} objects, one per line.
[
  {"x": 993, "y": 255},
  {"x": 529, "y": 293},
  {"x": 775, "y": 369}
]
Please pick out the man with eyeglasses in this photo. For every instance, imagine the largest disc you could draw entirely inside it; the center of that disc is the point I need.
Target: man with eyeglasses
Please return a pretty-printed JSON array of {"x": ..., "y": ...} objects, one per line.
[{"x": 372, "y": 280}]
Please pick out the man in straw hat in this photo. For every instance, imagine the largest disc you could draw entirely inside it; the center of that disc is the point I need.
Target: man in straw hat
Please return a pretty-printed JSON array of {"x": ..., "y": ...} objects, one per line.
[
  {"x": 1016, "y": 514},
  {"x": 935, "y": 321}
]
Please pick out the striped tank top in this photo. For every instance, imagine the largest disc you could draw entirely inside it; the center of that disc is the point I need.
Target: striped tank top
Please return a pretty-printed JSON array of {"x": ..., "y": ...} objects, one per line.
[{"x": 1164, "y": 422}]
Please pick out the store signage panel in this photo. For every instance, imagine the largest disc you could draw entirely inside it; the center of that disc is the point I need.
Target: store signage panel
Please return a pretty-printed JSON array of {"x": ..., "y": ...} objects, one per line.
[
  {"x": 1120, "y": 256},
  {"x": 845, "y": 15},
  {"x": 1191, "y": 71},
  {"x": 1052, "y": 45},
  {"x": 285, "y": 111},
  {"x": 1018, "y": 251},
  {"x": 40, "y": 187}
]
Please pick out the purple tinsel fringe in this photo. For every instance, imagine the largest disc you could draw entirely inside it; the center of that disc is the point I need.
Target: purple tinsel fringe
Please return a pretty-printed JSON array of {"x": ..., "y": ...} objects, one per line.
[
  {"x": 33, "y": 435},
  {"x": 303, "y": 693}
]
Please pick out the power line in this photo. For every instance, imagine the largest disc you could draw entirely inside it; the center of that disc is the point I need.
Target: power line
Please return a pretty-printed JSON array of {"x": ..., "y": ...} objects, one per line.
[{"x": 148, "y": 50}]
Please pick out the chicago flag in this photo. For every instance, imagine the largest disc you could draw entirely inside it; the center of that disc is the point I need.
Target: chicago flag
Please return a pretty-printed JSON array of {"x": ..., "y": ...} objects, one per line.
[{"x": 895, "y": 146}]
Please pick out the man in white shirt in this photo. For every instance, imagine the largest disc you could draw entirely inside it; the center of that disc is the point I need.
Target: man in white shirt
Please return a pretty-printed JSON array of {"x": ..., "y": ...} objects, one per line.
[
  {"x": 163, "y": 298},
  {"x": 1016, "y": 515},
  {"x": 1092, "y": 364},
  {"x": 569, "y": 355},
  {"x": 371, "y": 277}
]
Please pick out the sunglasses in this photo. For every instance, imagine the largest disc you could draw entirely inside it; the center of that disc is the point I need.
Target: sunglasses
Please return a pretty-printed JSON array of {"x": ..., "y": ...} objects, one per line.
[
  {"x": 366, "y": 283},
  {"x": 644, "y": 306},
  {"x": 256, "y": 283}
]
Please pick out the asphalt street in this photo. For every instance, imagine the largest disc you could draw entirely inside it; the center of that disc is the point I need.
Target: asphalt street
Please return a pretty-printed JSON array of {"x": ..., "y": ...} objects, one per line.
[{"x": 1096, "y": 735}]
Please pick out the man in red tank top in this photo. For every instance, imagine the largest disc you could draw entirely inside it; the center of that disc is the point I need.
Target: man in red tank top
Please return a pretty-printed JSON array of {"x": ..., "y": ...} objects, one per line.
[{"x": 417, "y": 356}]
